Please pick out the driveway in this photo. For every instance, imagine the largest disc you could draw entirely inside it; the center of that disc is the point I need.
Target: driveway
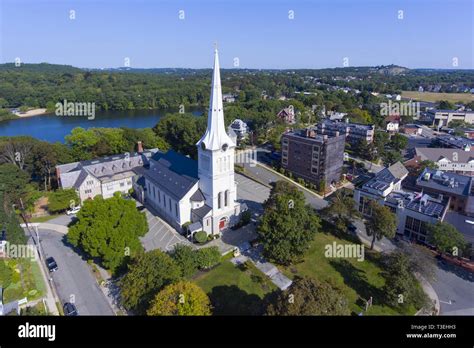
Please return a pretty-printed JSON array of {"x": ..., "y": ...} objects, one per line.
[{"x": 73, "y": 279}]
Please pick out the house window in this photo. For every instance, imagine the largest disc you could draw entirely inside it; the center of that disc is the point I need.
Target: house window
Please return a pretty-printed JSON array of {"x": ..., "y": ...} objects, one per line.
[
  {"x": 176, "y": 209},
  {"x": 226, "y": 198},
  {"x": 219, "y": 198},
  {"x": 154, "y": 192},
  {"x": 159, "y": 196},
  {"x": 169, "y": 201},
  {"x": 122, "y": 184}
]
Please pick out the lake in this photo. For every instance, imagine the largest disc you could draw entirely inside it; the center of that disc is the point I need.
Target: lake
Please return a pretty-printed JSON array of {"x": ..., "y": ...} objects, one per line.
[{"x": 53, "y": 128}]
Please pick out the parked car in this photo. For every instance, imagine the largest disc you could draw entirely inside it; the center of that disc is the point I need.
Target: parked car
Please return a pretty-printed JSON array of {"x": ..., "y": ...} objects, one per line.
[
  {"x": 70, "y": 309},
  {"x": 52, "y": 265},
  {"x": 73, "y": 211}
]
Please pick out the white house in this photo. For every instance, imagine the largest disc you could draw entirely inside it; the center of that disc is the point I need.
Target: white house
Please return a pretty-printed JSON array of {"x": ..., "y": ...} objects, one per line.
[{"x": 103, "y": 176}]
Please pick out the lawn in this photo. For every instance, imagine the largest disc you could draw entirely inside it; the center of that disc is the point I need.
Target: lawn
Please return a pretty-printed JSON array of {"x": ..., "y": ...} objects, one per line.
[
  {"x": 26, "y": 280},
  {"x": 357, "y": 280},
  {"x": 235, "y": 290},
  {"x": 435, "y": 97}
]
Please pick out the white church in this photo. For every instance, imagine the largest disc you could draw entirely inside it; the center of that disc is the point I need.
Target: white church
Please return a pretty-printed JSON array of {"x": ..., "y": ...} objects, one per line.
[{"x": 200, "y": 193}]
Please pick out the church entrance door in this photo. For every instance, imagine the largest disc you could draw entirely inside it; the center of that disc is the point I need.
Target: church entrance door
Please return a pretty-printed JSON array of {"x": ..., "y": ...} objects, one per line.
[{"x": 222, "y": 223}]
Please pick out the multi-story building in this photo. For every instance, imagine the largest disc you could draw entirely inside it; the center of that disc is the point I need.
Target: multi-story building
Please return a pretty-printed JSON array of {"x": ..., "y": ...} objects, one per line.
[
  {"x": 313, "y": 157},
  {"x": 443, "y": 117},
  {"x": 449, "y": 160},
  {"x": 354, "y": 132},
  {"x": 102, "y": 176},
  {"x": 413, "y": 210},
  {"x": 459, "y": 188}
]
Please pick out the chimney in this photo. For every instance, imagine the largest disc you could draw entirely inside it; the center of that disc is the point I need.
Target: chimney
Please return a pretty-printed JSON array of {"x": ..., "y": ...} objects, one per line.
[
  {"x": 139, "y": 147},
  {"x": 337, "y": 133}
]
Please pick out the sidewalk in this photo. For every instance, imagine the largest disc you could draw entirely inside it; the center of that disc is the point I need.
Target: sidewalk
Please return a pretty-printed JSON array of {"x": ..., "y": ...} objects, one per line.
[
  {"x": 428, "y": 289},
  {"x": 51, "y": 296}
]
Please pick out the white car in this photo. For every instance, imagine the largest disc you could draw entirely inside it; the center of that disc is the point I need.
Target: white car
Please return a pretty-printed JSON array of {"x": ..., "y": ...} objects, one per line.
[{"x": 73, "y": 211}]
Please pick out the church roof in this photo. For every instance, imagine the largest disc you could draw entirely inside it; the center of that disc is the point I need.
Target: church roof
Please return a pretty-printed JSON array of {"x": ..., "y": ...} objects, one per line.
[
  {"x": 202, "y": 211},
  {"x": 174, "y": 173},
  {"x": 216, "y": 134},
  {"x": 198, "y": 196}
]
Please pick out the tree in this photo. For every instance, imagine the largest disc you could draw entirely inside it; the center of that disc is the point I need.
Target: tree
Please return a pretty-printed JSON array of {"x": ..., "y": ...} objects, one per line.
[
  {"x": 446, "y": 238},
  {"x": 60, "y": 200},
  {"x": 185, "y": 257},
  {"x": 147, "y": 274},
  {"x": 341, "y": 210},
  {"x": 398, "y": 142},
  {"x": 6, "y": 274},
  {"x": 445, "y": 105},
  {"x": 381, "y": 222},
  {"x": 181, "y": 132},
  {"x": 287, "y": 225},
  {"x": 401, "y": 287},
  {"x": 207, "y": 257},
  {"x": 200, "y": 237},
  {"x": 307, "y": 296},
  {"x": 181, "y": 298},
  {"x": 390, "y": 157},
  {"x": 14, "y": 183},
  {"x": 109, "y": 229}
]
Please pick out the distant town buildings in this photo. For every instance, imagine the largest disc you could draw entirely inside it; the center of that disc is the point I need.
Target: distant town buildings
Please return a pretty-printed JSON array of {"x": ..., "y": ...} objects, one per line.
[
  {"x": 228, "y": 98},
  {"x": 413, "y": 210},
  {"x": 411, "y": 129},
  {"x": 393, "y": 123},
  {"x": 453, "y": 142},
  {"x": 287, "y": 115},
  {"x": 313, "y": 157},
  {"x": 354, "y": 132},
  {"x": 240, "y": 128},
  {"x": 444, "y": 117},
  {"x": 458, "y": 188}
]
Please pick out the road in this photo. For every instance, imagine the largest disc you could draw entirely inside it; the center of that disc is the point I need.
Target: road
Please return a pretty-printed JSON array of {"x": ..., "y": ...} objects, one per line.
[
  {"x": 455, "y": 289},
  {"x": 74, "y": 278}
]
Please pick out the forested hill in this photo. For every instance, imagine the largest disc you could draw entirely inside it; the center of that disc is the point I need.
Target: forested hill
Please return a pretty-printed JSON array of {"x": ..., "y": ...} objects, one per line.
[
  {"x": 40, "y": 68},
  {"x": 43, "y": 85}
]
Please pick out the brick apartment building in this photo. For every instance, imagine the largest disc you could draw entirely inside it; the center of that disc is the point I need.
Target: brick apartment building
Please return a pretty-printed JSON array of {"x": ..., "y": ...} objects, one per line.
[{"x": 313, "y": 157}]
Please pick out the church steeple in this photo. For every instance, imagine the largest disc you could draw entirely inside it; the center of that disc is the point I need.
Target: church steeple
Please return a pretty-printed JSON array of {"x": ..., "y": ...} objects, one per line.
[{"x": 216, "y": 135}]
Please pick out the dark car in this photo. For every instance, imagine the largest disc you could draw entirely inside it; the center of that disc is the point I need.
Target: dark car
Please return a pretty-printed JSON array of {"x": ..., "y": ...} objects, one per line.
[
  {"x": 70, "y": 309},
  {"x": 52, "y": 265}
]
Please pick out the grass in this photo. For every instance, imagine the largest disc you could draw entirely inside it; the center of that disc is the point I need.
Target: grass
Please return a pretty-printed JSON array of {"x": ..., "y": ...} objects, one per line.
[
  {"x": 357, "y": 280},
  {"x": 435, "y": 97},
  {"x": 26, "y": 281},
  {"x": 236, "y": 290},
  {"x": 44, "y": 218}
]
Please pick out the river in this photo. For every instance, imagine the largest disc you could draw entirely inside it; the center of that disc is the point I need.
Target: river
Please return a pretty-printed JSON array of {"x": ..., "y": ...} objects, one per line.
[{"x": 52, "y": 128}]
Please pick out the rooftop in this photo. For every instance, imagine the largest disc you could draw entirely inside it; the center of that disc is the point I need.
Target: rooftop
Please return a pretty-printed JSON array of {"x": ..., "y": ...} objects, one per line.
[
  {"x": 436, "y": 154},
  {"x": 419, "y": 202},
  {"x": 448, "y": 182}
]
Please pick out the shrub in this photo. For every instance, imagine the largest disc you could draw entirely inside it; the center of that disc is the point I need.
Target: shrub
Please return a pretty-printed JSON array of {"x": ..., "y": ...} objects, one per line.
[
  {"x": 200, "y": 237},
  {"x": 208, "y": 257}
]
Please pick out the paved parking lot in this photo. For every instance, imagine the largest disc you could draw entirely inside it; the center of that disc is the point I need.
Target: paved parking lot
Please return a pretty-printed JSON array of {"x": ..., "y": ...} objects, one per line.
[
  {"x": 160, "y": 235},
  {"x": 73, "y": 279}
]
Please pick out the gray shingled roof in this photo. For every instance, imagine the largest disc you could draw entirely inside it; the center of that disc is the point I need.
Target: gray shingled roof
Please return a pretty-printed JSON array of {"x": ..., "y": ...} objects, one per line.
[
  {"x": 74, "y": 174},
  {"x": 435, "y": 154},
  {"x": 398, "y": 170},
  {"x": 197, "y": 196},
  {"x": 202, "y": 211}
]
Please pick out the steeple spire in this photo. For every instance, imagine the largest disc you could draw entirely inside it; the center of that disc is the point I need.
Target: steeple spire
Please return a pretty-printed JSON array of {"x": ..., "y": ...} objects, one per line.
[{"x": 215, "y": 135}]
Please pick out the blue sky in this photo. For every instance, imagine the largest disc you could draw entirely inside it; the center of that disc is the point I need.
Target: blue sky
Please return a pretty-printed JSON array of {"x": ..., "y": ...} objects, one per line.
[{"x": 259, "y": 33}]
